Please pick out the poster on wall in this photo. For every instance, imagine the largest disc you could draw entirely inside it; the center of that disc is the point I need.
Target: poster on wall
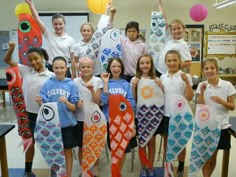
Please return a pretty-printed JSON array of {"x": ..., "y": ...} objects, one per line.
[{"x": 194, "y": 35}]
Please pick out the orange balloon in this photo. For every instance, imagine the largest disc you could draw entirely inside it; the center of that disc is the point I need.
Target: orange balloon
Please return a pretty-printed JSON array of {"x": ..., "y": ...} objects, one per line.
[{"x": 97, "y": 6}]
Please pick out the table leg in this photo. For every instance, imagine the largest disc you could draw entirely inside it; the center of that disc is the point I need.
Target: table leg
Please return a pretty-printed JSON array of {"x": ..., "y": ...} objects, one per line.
[
  {"x": 3, "y": 157},
  {"x": 4, "y": 99}
]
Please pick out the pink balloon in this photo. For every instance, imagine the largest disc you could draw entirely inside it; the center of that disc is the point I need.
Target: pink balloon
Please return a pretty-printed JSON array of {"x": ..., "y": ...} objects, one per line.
[{"x": 198, "y": 12}]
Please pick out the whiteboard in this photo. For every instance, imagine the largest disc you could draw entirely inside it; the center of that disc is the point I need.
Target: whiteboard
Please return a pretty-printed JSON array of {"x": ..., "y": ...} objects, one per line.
[
  {"x": 72, "y": 27},
  {"x": 221, "y": 44}
]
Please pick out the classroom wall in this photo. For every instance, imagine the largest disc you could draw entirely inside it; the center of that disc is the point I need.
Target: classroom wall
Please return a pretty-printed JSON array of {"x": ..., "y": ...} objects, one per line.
[{"x": 140, "y": 13}]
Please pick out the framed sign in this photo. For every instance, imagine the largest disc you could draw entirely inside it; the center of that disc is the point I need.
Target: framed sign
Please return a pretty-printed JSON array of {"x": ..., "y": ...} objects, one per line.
[
  {"x": 194, "y": 35},
  {"x": 220, "y": 44}
]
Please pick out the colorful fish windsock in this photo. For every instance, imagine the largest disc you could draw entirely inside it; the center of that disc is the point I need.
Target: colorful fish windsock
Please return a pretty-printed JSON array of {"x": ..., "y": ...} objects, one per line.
[
  {"x": 157, "y": 35},
  {"x": 14, "y": 83},
  {"x": 110, "y": 47},
  {"x": 180, "y": 127},
  {"x": 94, "y": 135},
  {"x": 121, "y": 129},
  {"x": 206, "y": 137},
  {"x": 49, "y": 139},
  {"x": 29, "y": 35},
  {"x": 150, "y": 110},
  {"x": 95, "y": 44}
]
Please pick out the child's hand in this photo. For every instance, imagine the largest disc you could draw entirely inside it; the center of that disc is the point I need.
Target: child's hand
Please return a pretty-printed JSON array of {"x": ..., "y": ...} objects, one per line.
[
  {"x": 135, "y": 82},
  {"x": 63, "y": 99},
  {"x": 184, "y": 77},
  {"x": 105, "y": 77},
  {"x": 158, "y": 82},
  {"x": 80, "y": 103},
  {"x": 39, "y": 99},
  {"x": 108, "y": 7},
  {"x": 11, "y": 44},
  {"x": 217, "y": 99},
  {"x": 203, "y": 87},
  {"x": 90, "y": 87},
  {"x": 113, "y": 11}
]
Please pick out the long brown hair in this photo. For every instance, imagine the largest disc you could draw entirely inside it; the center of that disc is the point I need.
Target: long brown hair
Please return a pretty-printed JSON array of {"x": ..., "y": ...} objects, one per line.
[
  {"x": 139, "y": 71},
  {"x": 119, "y": 60},
  {"x": 152, "y": 69}
]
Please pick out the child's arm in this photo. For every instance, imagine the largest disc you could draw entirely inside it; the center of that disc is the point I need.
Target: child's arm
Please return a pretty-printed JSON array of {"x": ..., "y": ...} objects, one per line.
[
  {"x": 113, "y": 12},
  {"x": 73, "y": 65},
  {"x": 70, "y": 106},
  {"x": 8, "y": 56},
  {"x": 186, "y": 56},
  {"x": 39, "y": 100},
  {"x": 201, "y": 99},
  {"x": 105, "y": 92},
  {"x": 36, "y": 15},
  {"x": 229, "y": 104},
  {"x": 161, "y": 9},
  {"x": 73, "y": 99},
  {"x": 130, "y": 98},
  {"x": 134, "y": 84},
  {"x": 95, "y": 94},
  {"x": 188, "y": 88},
  {"x": 43, "y": 94},
  {"x": 74, "y": 62},
  {"x": 186, "y": 64},
  {"x": 159, "y": 83}
]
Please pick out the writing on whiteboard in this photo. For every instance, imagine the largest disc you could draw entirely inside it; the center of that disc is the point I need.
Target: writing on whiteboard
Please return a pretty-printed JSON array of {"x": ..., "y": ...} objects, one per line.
[{"x": 222, "y": 26}]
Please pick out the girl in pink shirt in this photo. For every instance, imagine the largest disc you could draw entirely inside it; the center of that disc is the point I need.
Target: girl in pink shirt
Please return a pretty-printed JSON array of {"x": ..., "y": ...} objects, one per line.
[{"x": 132, "y": 48}]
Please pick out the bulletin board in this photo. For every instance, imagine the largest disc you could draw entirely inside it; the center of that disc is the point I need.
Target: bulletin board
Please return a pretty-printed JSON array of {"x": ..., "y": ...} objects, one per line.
[
  {"x": 220, "y": 44},
  {"x": 4, "y": 39},
  {"x": 194, "y": 36}
]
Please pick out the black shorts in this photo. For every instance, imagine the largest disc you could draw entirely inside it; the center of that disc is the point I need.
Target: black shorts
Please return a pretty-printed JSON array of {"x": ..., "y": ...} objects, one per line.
[
  {"x": 224, "y": 142},
  {"x": 32, "y": 121},
  {"x": 79, "y": 134},
  {"x": 163, "y": 127},
  {"x": 132, "y": 143},
  {"x": 69, "y": 137}
]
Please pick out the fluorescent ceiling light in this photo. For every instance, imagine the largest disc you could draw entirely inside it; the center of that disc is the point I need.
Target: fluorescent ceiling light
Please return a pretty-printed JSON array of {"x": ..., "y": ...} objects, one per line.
[{"x": 223, "y": 4}]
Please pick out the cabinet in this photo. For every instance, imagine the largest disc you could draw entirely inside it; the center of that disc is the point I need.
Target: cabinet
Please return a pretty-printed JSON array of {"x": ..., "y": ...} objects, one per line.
[{"x": 229, "y": 77}]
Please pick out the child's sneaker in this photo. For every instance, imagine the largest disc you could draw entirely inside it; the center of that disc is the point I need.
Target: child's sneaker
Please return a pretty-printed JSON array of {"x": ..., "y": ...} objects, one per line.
[
  {"x": 151, "y": 172},
  {"x": 29, "y": 174},
  {"x": 143, "y": 173}
]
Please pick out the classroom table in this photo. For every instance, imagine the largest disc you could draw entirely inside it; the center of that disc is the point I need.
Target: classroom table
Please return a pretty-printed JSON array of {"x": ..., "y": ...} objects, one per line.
[
  {"x": 226, "y": 153},
  {"x": 4, "y": 129}
]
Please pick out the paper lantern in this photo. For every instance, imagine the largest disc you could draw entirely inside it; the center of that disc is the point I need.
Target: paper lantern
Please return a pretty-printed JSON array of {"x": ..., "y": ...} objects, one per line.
[
  {"x": 198, "y": 12},
  {"x": 97, "y": 6},
  {"x": 22, "y": 8}
]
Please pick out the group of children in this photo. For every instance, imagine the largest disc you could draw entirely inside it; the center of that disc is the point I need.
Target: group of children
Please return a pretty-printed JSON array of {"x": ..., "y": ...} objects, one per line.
[{"x": 122, "y": 77}]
